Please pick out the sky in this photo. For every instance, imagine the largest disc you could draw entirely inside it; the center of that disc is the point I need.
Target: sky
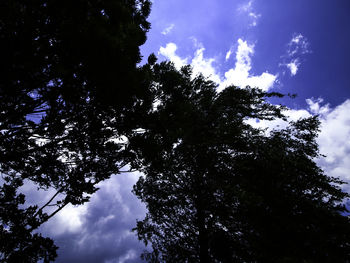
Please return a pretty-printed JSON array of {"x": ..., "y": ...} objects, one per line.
[{"x": 289, "y": 46}]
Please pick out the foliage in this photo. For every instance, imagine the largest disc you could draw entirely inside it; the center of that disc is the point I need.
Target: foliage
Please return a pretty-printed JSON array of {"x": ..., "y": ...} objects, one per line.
[
  {"x": 219, "y": 190},
  {"x": 69, "y": 82},
  {"x": 15, "y": 223}
]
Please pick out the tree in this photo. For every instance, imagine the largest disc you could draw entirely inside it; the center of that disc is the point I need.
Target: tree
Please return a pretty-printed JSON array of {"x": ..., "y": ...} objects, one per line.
[
  {"x": 219, "y": 190},
  {"x": 296, "y": 211},
  {"x": 70, "y": 91}
]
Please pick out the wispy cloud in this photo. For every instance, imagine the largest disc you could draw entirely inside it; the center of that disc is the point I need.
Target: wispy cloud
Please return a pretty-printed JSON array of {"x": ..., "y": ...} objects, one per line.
[
  {"x": 247, "y": 8},
  {"x": 293, "y": 66},
  {"x": 228, "y": 54},
  {"x": 254, "y": 17},
  {"x": 239, "y": 75},
  {"x": 297, "y": 47},
  {"x": 168, "y": 29}
]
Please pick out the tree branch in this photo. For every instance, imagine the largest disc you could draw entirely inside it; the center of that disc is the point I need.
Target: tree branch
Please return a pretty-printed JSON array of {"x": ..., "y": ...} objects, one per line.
[{"x": 47, "y": 203}]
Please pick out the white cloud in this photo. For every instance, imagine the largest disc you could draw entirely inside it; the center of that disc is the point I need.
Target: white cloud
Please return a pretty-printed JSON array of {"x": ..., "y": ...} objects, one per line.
[
  {"x": 298, "y": 44},
  {"x": 247, "y": 8},
  {"x": 198, "y": 62},
  {"x": 70, "y": 219},
  {"x": 316, "y": 108},
  {"x": 169, "y": 51},
  {"x": 239, "y": 75},
  {"x": 297, "y": 47},
  {"x": 334, "y": 140},
  {"x": 228, "y": 54},
  {"x": 168, "y": 29},
  {"x": 244, "y": 51},
  {"x": 296, "y": 39},
  {"x": 293, "y": 66},
  {"x": 254, "y": 17},
  {"x": 196, "y": 43},
  {"x": 204, "y": 66}
]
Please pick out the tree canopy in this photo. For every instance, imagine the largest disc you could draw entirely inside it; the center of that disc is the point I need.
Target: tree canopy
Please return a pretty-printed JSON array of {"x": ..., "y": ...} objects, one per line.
[
  {"x": 219, "y": 190},
  {"x": 69, "y": 82}
]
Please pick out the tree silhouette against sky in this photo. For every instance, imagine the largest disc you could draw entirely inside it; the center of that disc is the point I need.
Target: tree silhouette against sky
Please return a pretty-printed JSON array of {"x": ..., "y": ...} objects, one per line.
[
  {"x": 75, "y": 109},
  {"x": 69, "y": 81},
  {"x": 219, "y": 190}
]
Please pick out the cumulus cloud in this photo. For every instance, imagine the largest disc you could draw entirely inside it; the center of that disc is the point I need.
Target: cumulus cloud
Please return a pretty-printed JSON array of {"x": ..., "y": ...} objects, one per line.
[
  {"x": 334, "y": 140},
  {"x": 247, "y": 8},
  {"x": 204, "y": 65},
  {"x": 169, "y": 51},
  {"x": 199, "y": 63},
  {"x": 297, "y": 47},
  {"x": 239, "y": 75},
  {"x": 168, "y": 29}
]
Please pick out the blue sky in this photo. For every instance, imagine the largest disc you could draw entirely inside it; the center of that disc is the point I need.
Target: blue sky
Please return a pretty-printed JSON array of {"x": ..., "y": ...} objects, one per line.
[
  {"x": 270, "y": 26},
  {"x": 290, "y": 46}
]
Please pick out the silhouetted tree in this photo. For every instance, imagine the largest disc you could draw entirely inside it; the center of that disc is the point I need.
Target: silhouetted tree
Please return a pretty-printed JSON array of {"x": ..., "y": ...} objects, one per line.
[
  {"x": 219, "y": 190},
  {"x": 69, "y": 82}
]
